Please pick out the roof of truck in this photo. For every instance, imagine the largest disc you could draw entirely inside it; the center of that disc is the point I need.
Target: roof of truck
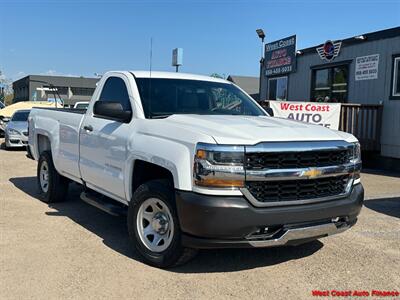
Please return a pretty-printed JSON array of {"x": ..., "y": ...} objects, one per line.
[{"x": 175, "y": 75}]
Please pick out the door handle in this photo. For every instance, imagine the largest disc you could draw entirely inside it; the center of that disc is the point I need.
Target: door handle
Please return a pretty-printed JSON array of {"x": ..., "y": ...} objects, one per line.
[{"x": 88, "y": 127}]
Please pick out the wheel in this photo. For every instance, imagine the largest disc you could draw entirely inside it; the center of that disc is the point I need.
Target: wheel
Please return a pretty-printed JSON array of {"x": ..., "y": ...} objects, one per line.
[
  {"x": 53, "y": 186},
  {"x": 153, "y": 226}
]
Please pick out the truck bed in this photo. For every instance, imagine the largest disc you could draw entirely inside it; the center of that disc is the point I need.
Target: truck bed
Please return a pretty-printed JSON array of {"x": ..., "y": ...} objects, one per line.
[
  {"x": 61, "y": 127},
  {"x": 63, "y": 109}
]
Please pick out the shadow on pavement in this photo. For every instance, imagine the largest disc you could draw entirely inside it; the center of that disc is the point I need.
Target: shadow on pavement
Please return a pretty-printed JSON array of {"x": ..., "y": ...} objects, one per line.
[
  {"x": 3, "y": 147},
  {"x": 388, "y": 206},
  {"x": 114, "y": 233}
]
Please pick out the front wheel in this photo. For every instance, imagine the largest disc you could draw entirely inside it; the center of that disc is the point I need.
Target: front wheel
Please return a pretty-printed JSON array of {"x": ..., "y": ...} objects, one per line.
[
  {"x": 153, "y": 226},
  {"x": 53, "y": 186}
]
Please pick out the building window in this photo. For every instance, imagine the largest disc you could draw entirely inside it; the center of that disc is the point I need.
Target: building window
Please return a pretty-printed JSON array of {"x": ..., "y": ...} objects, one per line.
[
  {"x": 82, "y": 91},
  {"x": 395, "y": 86},
  {"x": 62, "y": 90},
  {"x": 277, "y": 88},
  {"x": 330, "y": 84}
]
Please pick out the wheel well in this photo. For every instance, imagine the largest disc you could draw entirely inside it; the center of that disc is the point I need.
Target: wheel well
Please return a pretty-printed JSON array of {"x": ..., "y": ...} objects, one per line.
[
  {"x": 144, "y": 171},
  {"x": 43, "y": 143}
]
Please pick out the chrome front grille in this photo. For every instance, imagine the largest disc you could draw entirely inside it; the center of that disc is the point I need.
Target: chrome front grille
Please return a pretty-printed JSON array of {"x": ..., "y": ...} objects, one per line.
[
  {"x": 298, "y": 172},
  {"x": 294, "y": 190}
]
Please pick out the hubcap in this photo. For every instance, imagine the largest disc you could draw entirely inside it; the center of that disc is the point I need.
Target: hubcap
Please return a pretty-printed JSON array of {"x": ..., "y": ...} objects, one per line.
[
  {"x": 44, "y": 176},
  {"x": 155, "y": 225}
]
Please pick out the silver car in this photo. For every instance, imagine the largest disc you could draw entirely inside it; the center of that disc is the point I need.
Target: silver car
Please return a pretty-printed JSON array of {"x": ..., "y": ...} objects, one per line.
[{"x": 16, "y": 133}]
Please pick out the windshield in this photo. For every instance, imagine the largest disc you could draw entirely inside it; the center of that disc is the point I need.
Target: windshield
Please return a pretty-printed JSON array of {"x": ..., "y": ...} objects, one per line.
[
  {"x": 20, "y": 116},
  {"x": 164, "y": 97}
]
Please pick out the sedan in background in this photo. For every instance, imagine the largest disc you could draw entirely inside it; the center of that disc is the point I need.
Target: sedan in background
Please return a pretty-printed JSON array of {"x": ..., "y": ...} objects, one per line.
[{"x": 16, "y": 133}]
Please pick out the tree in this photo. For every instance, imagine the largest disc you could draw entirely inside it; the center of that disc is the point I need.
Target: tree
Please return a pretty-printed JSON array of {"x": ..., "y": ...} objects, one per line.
[
  {"x": 8, "y": 99},
  {"x": 6, "y": 91}
]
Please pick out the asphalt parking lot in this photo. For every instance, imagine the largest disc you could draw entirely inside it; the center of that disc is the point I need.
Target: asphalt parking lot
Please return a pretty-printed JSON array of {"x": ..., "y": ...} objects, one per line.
[{"x": 72, "y": 250}]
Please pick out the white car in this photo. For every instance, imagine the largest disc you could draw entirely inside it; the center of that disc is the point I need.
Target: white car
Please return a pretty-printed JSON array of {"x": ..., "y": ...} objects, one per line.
[
  {"x": 16, "y": 131},
  {"x": 194, "y": 162},
  {"x": 81, "y": 105}
]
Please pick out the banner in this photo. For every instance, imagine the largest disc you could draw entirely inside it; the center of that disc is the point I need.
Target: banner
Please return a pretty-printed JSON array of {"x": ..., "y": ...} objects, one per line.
[
  {"x": 367, "y": 67},
  {"x": 324, "y": 114},
  {"x": 280, "y": 56}
]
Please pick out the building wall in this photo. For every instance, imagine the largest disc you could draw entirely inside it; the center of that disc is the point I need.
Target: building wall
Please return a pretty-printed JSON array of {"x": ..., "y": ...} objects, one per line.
[
  {"x": 25, "y": 88},
  {"x": 373, "y": 91}
]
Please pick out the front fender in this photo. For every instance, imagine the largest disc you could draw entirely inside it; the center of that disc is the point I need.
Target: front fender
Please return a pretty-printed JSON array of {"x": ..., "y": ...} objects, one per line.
[{"x": 173, "y": 155}]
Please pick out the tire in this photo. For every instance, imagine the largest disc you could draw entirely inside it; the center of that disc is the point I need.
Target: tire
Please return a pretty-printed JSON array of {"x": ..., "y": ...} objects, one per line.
[
  {"x": 169, "y": 252},
  {"x": 55, "y": 188},
  {"x": 5, "y": 143}
]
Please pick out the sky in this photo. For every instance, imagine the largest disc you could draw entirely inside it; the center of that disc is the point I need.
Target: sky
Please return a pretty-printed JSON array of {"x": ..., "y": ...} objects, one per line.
[{"x": 93, "y": 36}]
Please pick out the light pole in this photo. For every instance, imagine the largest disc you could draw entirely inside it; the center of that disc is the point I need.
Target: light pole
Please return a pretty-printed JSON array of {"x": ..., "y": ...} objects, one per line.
[{"x": 261, "y": 35}]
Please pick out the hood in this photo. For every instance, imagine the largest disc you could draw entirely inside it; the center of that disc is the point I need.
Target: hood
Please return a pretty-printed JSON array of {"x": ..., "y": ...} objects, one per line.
[
  {"x": 227, "y": 129},
  {"x": 21, "y": 126}
]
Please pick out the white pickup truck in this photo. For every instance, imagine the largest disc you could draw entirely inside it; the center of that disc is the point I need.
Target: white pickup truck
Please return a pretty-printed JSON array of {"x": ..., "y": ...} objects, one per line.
[{"x": 194, "y": 162}]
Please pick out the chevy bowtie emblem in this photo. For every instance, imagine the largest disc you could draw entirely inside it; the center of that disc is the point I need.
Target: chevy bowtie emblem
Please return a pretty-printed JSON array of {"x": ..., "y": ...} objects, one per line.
[{"x": 312, "y": 173}]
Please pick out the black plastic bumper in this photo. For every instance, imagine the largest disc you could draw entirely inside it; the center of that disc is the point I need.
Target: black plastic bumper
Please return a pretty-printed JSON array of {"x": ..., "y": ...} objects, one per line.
[{"x": 222, "y": 221}]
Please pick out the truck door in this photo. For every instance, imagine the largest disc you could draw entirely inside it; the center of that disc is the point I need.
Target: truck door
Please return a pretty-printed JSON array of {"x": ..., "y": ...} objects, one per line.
[{"x": 103, "y": 142}]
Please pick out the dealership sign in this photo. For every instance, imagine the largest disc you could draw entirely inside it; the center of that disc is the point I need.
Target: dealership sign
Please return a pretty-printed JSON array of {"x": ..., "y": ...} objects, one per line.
[
  {"x": 367, "y": 67},
  {"x": 280, "y": 56},
  {"x": 329, "y": 50},
  {"x": 324, "y": 114}
]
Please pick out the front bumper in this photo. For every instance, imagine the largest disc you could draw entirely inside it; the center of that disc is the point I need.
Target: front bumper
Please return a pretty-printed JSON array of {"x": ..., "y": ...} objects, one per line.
[
  {"x": 231, "y": 222},
  {"x": 16, "y": 140}
]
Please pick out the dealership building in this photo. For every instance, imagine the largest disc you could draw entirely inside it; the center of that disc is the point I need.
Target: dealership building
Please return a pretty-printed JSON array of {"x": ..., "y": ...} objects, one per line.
[
  {"x": 361, "y": 72},
  {"x": 44, "y": 88}
]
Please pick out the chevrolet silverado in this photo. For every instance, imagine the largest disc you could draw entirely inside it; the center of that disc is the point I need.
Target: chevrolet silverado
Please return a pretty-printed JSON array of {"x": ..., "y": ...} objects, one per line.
[{"x": 194, "y": 162}]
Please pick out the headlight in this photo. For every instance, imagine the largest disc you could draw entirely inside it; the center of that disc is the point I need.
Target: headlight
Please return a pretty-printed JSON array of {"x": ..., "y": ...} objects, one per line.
[
  {"x": 356, "y": 153},
  {"x": 12, "y": 131},
  {"x": 219, "y": 166},
  {"x": 356, "y": 159}
]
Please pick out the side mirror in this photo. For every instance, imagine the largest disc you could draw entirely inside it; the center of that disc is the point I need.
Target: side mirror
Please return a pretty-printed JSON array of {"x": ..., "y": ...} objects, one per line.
[
  {"x": 270, "y": 111},
  {"x": 112, "y": 110}
]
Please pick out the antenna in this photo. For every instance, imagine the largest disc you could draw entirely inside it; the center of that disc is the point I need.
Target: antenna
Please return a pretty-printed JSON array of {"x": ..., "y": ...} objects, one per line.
[{"x": 151, "y": 54}]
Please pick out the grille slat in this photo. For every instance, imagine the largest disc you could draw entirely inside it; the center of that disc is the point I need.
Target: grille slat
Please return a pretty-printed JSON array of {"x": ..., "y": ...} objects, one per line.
[
  {"x": 285, "y": 160},
  {"x": 302, "y": 189}
]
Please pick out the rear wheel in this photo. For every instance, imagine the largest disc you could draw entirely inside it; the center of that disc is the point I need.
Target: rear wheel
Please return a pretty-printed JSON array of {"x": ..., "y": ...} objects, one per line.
[
  {"x": 53, "y": 186},
  {"x": 154, "y": 227}
]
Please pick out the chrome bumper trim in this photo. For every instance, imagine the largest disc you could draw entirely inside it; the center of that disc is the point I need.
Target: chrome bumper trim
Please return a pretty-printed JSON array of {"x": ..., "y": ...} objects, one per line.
[
  {"x": 301, "y": 233},
  {"x": 301, "y": 173}
]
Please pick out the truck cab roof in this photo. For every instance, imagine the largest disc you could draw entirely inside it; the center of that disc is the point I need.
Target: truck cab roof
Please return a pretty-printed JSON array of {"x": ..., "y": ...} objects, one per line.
[{"x": 175, "y": 75}]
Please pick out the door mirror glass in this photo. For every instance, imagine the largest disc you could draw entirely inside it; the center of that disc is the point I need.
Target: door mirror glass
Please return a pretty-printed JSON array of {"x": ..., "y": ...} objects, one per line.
[{"x": 112, "y": 110}]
